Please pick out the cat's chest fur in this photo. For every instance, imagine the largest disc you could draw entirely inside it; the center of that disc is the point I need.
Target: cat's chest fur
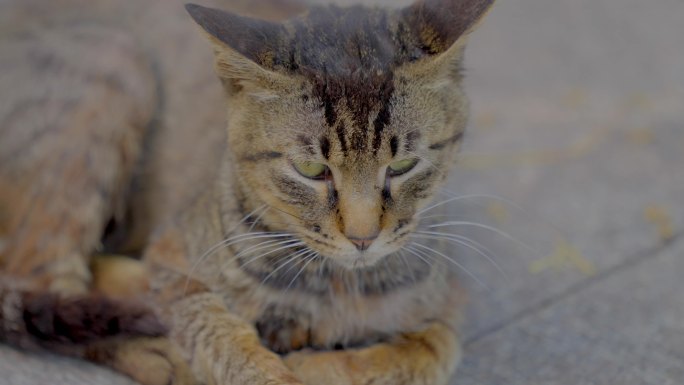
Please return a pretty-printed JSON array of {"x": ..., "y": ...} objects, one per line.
[{"x": 334, "y": 315}]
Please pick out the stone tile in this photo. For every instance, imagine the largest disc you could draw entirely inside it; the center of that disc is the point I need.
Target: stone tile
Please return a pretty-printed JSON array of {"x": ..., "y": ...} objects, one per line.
[
  {"x": 593, "y": 157},
  {"x": 20, "y": 368},
  {"x": 577, "y": 118},
  {"x": 627, "y": 328}
]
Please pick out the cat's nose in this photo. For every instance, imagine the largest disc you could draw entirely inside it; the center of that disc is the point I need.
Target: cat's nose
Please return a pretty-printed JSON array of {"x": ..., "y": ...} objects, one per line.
[{"x": 363, "y": 243}]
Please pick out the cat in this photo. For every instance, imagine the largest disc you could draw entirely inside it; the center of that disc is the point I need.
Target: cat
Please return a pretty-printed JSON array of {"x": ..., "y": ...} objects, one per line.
[{"x": 274, "y": 249}]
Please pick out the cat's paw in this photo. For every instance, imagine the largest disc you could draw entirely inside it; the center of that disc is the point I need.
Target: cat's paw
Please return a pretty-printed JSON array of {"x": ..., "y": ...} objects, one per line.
[
  {"x": 119, "y": 276},
  {"x": 283, "y": 335},
  {"x": 315, "y": 368},
  {"x": 69, "y": 276},
  {"x": 149, "y": 361}
]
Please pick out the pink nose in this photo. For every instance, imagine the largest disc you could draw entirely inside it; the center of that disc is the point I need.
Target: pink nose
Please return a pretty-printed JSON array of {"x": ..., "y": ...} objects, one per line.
[{"x": 363, "y": 243}]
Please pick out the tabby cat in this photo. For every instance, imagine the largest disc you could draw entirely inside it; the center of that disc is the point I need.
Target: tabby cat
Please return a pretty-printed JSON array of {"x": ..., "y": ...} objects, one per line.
[{"x": 274, "y": 250}]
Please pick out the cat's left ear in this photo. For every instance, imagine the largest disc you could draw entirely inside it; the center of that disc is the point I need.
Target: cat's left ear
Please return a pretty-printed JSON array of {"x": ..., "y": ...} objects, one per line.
[
  {"x": 244, "y": 47},
  {"x": 442, "y": 26}
]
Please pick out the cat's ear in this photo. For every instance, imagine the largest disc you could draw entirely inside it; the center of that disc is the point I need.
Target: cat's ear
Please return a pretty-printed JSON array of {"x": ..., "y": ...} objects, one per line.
[
  {"x": 441, "y": 28},
  {"x": 244, "y": 47},
  {"x": 440, "y": 24}
]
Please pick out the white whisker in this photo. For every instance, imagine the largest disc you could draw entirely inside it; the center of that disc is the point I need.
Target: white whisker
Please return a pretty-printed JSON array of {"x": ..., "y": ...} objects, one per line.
[
  {"x": 246, "y": 217},
  {"x": 288, "y": 246},
  {"x": 237, "y": 239},
  {"x": 288, "y": 260},
  {"x": 227, "y": 243},
  {"x": 519, "y": 208},
  {"x": 408, "y": 267},
  {"x": 263, "y": 245},
  {"x": 486, "y": 227},
  {"x": 251, "y": 227},
  {"x": 310, "y": 259},
  {"x": 426, "y": 160},
  {"x": 467, "y": 242},
  {"x": 415, "y": 253},
  {"x": 452, "y": 199},
  {"x": 452, "y": 261}
]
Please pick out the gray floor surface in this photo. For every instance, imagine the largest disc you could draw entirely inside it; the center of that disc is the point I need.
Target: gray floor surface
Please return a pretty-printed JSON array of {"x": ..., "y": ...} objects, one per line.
[{"x": 576, "y": 151}]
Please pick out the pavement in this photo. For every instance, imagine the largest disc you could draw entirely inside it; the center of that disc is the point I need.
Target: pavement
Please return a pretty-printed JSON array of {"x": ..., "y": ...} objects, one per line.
[{"x": 576, "y": 155}]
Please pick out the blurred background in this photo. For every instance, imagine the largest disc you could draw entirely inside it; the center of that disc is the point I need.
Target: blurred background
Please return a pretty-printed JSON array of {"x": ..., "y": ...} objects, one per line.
[{"x": 573, "y": 169}]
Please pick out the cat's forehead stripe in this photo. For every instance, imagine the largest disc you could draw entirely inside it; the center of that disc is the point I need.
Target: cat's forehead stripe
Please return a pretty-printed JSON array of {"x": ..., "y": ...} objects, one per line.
[
  {"x": 348, "y": 55},
  {"x": 341, "y": 136}
]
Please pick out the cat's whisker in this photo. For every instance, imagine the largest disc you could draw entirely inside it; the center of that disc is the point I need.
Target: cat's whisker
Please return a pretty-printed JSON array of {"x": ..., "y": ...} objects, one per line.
[
  {"x": 486, "y": 227},
  {"x": 449, "y": 200},
  {"x": 227, "y": 243},
  {"x": 408, "y": 267},
  {"x": 237, "y": 239},
  {"x": 310, "y": 259},
  {"x": 263, "y": 245},
  {"x": 415, "y": 253},
  {"x": 241, "y": 238},
  {"x": 467, "y": 242},
  {"x": 321, "y": 266},
  {"x": 302, "y": 259},
  {"x": 456, "y": 263},
  {"x": 519, "y": 208},
  {"x": 487, "y": 196},
  {"x": 241, "y": 221},
  {"x": 252, "y": 258},
  {"x": 385, "y": 265},
  {"x": 294, "y": 244},
  {"x": 435, "y": 216},
  {"x": 271, "y": 223},
  {"x": 424, "y": 159},
  {"x": 261, "y": 256},
  {"x": 288, "y": 260},
  {"x": 251, "y": 227},
  {"x": 287, "y": 213}
]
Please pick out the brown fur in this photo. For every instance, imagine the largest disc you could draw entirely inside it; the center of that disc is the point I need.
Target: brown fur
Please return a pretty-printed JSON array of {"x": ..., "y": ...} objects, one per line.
[{"x": 114, "y": 132}]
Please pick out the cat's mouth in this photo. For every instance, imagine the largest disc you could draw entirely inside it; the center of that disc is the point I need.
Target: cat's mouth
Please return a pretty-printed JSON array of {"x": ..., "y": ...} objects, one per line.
[{"x": 350, "y": 257}]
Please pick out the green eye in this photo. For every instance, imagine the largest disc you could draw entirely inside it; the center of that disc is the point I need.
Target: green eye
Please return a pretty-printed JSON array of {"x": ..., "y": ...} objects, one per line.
[
  {"x": 311, "y": 170},
  {"x": 401, "y": 167}
]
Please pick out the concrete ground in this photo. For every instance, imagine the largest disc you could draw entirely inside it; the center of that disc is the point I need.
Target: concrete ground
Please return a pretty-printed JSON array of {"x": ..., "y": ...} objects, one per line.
[{"x": 578, "y": 124}]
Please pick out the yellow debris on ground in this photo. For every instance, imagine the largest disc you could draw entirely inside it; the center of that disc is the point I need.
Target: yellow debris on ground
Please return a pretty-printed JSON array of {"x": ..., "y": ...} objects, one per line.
[
  {"x": 660, "y": 217},
  {"x": 637, "y": 100},
  {"x": 575, "y": 98},
  {"x": 641, "y": 136},
  {"x": 575, "y": 150},
  {"x": 498, "y": 212},
  {"x": 485, "y": 120},
  {"x": 564, "y": 256}
]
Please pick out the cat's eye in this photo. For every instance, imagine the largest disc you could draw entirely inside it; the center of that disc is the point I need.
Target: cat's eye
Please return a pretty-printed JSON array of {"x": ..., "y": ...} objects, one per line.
[
  {"x": 311, "y": 170},
  {"x": 401, "y": 167}
]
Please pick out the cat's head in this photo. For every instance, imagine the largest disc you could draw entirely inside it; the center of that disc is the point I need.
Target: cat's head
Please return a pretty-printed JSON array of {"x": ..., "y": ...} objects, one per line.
[{"x": 344, "y": 121}]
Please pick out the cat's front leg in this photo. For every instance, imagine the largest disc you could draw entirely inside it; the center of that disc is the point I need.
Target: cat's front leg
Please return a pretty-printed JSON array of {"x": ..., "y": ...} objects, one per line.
[
  {"x": 429, "y": 357},
  {"x": 222, "y": 348},
  {"x": 149, "y": 361}
]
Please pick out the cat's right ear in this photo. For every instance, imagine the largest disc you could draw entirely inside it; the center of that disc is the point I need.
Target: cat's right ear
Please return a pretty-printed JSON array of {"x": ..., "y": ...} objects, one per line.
[
  {"x": 440, "y": 28},
  {"x": 439, "y": 25},
  {"x": 244, "y": 47}
]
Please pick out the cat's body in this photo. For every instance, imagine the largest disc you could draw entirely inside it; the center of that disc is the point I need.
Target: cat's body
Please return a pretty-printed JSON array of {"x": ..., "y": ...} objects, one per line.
[{"x": 111, "y": 116}]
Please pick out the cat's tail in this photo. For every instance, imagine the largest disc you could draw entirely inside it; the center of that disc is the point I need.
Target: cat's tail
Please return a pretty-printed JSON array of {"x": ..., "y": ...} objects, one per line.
[{"x": 30, "y": 319}]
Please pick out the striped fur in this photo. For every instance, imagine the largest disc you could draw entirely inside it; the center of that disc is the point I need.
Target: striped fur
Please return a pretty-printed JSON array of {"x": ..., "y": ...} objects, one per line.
[
  {"x": 112, "y": 135},
  {"x": 37, "y": 319}
]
